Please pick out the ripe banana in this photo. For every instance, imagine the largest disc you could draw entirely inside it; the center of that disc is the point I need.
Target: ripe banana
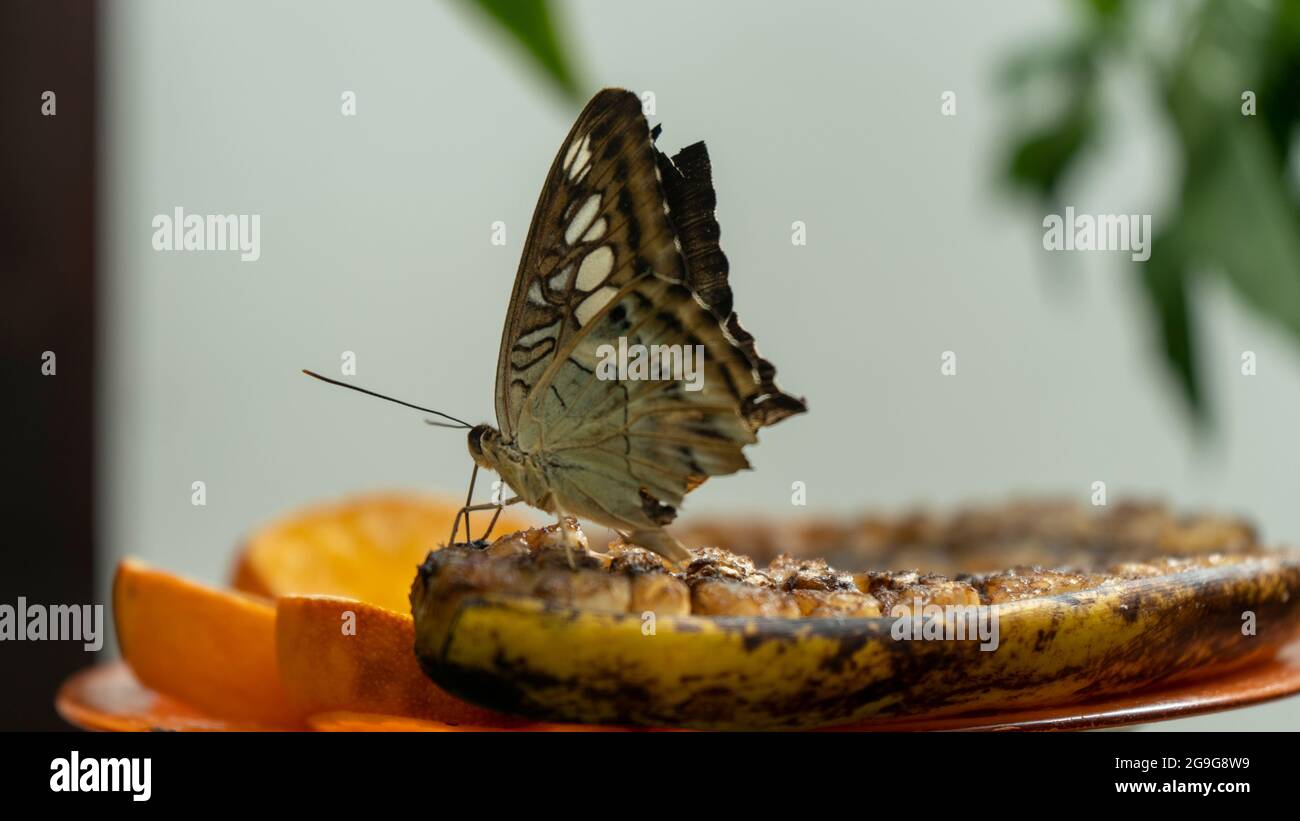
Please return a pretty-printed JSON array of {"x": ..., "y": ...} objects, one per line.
[{"x": 512, "y": 629}]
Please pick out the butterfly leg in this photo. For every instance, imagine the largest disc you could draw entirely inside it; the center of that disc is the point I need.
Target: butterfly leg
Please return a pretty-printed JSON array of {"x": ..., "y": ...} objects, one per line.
[
  {"x": 569, "y": 534},
  {"x": 493, "y": 506},
  {"x": 512, "y": 500},
  {"x": 660, "y": 542}
]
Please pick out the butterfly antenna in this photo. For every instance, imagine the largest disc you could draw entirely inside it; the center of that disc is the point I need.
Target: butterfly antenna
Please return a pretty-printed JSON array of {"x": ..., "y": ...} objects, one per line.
[
  {"x": 459, "y": 423},
  {"x": 435, "y": 423}
]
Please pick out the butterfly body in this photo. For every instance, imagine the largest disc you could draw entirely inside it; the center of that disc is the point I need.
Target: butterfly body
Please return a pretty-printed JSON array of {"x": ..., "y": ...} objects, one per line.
[
  {"x": 548, "y": 482},
  {"x": 623, "y": 252}
]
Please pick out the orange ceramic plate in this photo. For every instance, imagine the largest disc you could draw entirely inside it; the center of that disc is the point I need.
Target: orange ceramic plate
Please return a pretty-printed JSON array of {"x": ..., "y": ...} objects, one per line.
[
  {"x": 345, "y": 722},
  {"x": 108, "y": 698}
]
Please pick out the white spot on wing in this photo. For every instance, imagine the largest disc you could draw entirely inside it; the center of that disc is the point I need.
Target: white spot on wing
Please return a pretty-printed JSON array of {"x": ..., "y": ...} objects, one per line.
[
  {"x": 597, "y": 231},
  {"x": 582, "y": 157},
  {"x": 573, "y": 150},
  {"x": 535, "y": 293},
  {"x": 531, "y": 338},
  {"x": 731, "y": 340},
  {"x": 560, "y": 281},
  {"x": 595, "y": 267},
  {"x": 582, "y": 219},
  {"x": 592, "y": 305}
]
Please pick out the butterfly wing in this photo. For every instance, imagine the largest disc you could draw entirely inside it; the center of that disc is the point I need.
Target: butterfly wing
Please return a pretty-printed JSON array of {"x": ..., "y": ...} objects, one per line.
[
  {"x": 624, "y": 250},
  {"x": 592, "y": 216}
]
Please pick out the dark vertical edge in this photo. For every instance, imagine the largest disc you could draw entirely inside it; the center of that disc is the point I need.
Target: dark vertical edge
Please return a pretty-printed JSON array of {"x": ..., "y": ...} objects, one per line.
[{"x": 47, "y": 303}]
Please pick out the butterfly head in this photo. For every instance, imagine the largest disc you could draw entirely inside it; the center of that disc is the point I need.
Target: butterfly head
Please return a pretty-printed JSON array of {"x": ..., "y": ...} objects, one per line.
[
  {"x": 518, "y": 471},
  {"x": 483, "y": 442}
]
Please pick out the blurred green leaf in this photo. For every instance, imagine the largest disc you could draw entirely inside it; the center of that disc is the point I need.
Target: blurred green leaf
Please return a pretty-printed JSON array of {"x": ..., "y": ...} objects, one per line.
[
  {"x": 1278, "y": 79},
  {"x": 1236, "y": 214},
  {"x": 1041, "y": 160},
  {"x": 532, "y": 25},
  {"x": 1063, "y": 76},
  {"x": 1106, "y": 9},
  {"x": 1067, "y": 59},
  {"x": 1165, "y": 278},
  {"x": 1237, "y": 219}
]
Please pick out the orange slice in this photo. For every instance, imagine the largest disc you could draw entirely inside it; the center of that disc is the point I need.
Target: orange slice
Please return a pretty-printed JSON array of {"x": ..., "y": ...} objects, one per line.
[
  {"x": 211, "y": 649},
  {"x": 343, "y": 655},
  {"x": 365, "y": 548}
]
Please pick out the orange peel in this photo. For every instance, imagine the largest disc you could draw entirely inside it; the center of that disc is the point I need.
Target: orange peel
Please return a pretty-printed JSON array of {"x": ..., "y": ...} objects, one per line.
[{"x": 211, "y": 649}]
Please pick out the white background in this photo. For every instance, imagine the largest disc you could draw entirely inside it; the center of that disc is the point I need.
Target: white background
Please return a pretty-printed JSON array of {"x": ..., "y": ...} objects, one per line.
[{"x": 375, "y": 239}]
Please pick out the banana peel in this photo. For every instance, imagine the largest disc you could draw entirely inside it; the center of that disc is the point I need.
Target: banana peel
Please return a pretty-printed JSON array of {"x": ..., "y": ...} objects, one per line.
[{"x": 547, "y": 661}]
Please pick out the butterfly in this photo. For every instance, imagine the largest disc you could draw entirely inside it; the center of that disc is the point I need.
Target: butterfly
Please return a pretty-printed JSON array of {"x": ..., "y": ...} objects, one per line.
[
  {"x": 623, "y": 249},
  {"x": 623, "y": 254}
]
